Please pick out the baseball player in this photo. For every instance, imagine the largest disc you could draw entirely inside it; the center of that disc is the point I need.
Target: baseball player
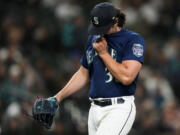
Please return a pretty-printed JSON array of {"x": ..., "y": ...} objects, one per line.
[{"x": 111, "y": 62}]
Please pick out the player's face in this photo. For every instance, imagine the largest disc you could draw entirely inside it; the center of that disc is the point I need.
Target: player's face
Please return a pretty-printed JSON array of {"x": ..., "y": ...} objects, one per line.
[
  {"x": 115, "y": 28},
  {"x": 111, "y": 30}
]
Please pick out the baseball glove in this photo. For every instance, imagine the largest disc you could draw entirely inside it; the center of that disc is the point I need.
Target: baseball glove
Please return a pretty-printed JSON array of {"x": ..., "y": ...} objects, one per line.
[{"x": 44, "y": 110}]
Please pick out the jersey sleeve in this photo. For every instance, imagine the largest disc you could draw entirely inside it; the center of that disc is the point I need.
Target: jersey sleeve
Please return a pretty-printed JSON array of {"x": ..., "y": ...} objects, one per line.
[
  {"x": 134, "y": 49},
  {"x": 83, "y": 60}
]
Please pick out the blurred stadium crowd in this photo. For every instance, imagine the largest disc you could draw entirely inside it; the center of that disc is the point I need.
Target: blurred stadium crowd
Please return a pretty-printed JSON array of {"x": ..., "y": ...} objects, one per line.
[{"x": 41, "y": 43}]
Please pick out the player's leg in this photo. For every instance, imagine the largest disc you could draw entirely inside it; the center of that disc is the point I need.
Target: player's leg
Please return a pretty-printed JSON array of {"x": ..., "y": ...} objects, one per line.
[
  {"x": 118, "y": 121},
  {"x": 128, "y": 125},
  {"x": 91, "y": 124}
]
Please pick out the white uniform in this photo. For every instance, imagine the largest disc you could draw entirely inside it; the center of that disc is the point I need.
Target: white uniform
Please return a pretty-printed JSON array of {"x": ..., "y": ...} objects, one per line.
[{"x": 115, "y": 119}]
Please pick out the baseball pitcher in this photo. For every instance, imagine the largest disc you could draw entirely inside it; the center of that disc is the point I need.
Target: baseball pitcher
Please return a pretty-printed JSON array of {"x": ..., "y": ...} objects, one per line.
[{"x": 111, "y": 62}]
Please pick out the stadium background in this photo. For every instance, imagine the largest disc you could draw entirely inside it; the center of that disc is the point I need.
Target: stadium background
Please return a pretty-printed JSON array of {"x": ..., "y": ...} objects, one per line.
[{"x": 41, "y": 43}]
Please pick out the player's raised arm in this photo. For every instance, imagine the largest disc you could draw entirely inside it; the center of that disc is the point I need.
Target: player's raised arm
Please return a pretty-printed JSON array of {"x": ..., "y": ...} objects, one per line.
[
  {"x": 124, "y": 72},
  {"x": 128, "y": 69},
  {"x": 78, "y": 80}
]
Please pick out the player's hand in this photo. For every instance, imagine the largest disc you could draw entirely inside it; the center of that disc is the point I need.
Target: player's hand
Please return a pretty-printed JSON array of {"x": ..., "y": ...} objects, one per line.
[
  {"x": 44, "y": 110},
  {"x": 100, "y": 45}
]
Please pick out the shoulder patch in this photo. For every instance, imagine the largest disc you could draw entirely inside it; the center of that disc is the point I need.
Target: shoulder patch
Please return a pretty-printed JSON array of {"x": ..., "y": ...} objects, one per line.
[{"x": 138, "y": 50}]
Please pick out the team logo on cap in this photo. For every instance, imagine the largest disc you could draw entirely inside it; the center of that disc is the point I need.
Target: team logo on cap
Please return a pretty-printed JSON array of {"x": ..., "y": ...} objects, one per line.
[
  {"x": 137, "y": 50},
  {"x": 96, "y": 21}
]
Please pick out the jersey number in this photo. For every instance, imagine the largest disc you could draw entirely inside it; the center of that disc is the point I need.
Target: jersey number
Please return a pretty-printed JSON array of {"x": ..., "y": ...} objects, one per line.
[{"x": 109, "y": 76}]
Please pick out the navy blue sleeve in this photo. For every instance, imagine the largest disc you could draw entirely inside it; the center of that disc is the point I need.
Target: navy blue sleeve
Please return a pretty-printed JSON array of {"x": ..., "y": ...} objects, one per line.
[
  {"x": 83, "y": 60},
  {"x": 134, "y": 49}
]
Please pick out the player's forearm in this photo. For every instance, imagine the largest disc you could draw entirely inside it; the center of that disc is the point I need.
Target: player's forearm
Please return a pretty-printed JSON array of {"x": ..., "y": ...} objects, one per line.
[
  {"x": 118, "y": 70},
  {"x": 78, "y": 80}
]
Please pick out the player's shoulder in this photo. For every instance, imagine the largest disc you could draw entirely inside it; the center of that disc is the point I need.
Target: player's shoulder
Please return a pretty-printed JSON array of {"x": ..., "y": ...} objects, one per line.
[
  {"x": 126, "y": 35},
  {"x": 132, "y": 35}
]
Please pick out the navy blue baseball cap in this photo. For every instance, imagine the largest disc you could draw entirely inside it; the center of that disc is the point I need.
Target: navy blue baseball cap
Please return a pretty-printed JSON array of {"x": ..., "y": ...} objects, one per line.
[{"x": 102, "y": 18}]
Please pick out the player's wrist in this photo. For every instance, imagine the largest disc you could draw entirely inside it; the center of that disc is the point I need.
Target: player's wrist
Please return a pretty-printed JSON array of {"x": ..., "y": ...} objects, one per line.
[
  {"x": 103, "y": 54},
  {"x": 57, "y": 98}
]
